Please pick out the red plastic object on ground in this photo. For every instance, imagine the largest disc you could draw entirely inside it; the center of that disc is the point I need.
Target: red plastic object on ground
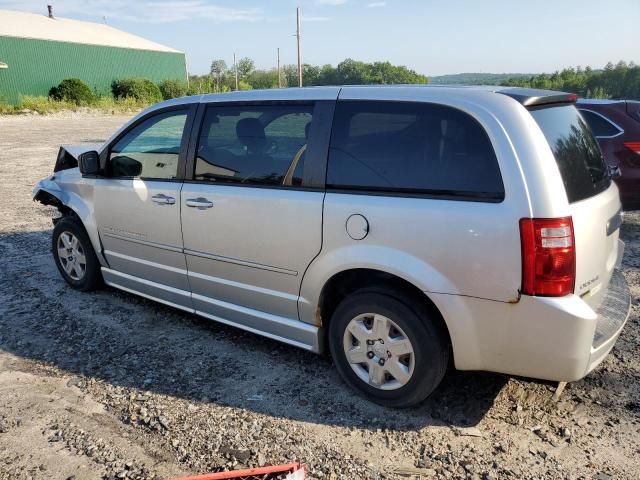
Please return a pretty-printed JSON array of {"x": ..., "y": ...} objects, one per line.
[{"x": 263, "y": 473}]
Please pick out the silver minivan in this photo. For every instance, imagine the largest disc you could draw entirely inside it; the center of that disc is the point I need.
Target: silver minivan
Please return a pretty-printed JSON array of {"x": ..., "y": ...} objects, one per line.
[{"x": 402, "y": 228}]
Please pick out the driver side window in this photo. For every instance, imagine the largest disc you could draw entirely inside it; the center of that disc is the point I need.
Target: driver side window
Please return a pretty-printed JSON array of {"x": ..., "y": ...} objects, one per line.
[
  {"x": 254, "y": 145},
  {"x": 151, "y": 149}
]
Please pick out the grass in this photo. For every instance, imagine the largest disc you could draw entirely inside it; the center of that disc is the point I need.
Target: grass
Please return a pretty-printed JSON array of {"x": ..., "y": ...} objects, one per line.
[{"x": 46, "y": 105}]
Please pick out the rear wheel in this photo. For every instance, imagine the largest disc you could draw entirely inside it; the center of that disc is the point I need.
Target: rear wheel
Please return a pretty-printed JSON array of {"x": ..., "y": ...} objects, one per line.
[
  {"x": 388, "y": 348},
  {"x": 74, "y": 255}
]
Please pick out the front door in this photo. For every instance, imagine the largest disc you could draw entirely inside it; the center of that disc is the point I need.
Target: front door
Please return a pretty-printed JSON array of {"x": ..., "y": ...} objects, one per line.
[
  {"x": 138, "y": 209},
  {"x": 251, "y": 223}
]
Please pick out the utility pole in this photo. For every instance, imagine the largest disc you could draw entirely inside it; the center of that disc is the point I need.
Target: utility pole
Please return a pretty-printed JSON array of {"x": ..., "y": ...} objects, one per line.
[
  {"x": 298, "y": 41},
  {"x": 279, "y": 79},
  {"x": 235, "y": 69}
]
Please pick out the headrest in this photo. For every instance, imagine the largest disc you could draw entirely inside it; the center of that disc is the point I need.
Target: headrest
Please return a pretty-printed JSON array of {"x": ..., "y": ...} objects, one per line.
[
  {"x": 249, "y": 127},
  {"x": 250, "y": 132}
]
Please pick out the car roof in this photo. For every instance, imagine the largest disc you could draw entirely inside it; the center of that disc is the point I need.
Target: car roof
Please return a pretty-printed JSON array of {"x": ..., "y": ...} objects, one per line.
[{"x": 525, "y": 96}]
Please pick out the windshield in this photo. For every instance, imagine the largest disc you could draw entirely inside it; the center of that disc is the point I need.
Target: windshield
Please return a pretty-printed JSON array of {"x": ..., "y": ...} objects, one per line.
[{"x": 583, "y": 169}]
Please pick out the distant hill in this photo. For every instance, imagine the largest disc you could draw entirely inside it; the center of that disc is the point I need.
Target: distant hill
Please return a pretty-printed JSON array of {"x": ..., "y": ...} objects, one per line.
[{"x": 476, "y": 78}]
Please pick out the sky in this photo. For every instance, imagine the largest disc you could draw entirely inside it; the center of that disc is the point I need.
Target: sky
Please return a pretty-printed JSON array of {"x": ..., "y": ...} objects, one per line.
[{"x": 433, "y": 37}]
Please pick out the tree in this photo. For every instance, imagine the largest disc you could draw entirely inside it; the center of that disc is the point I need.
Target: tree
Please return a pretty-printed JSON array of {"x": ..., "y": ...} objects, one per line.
[
  {"x": 245, "y": 67},
  {"x": 218, "y": 71},
  {"x": 172, "y": 89},
  {"x": 349, "y": 71},
  {"x": 310, "y": 75},
  {"x": 73, "y": 90},
  {"x": 290, "y": 75},
  {"x": 352, "y": 72},
  {"x": 621, "y": 80},
  {"x": 263, "y": 79}
]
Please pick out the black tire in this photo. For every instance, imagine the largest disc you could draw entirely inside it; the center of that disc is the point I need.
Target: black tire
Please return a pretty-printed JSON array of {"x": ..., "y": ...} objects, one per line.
[
  {"x": 430, "y": 346},
  {"x": 92, "y": 277}
]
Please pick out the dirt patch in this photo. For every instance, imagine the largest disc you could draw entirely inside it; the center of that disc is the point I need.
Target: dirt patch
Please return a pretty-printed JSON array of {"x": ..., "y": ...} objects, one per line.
[{"x": 109, "y": 385}]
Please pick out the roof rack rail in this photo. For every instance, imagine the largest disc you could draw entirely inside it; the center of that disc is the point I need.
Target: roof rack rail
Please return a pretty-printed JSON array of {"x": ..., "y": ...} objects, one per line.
[{"x": 532, "y": 97}]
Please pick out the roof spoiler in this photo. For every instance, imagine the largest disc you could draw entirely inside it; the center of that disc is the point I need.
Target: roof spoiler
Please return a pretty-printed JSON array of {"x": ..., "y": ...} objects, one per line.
[{"x": 532, "y": 97}]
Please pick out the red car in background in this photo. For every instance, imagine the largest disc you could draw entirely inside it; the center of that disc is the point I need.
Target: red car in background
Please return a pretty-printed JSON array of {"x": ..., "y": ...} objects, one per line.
[{"x": 616, "y": 126}]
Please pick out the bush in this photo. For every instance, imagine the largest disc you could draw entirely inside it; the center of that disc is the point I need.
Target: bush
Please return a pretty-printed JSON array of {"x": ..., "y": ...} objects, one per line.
[
  {"x": 72, "y": 90},
  {"x": 173, "y": 89},
  {"x": 141, "y": 89}
]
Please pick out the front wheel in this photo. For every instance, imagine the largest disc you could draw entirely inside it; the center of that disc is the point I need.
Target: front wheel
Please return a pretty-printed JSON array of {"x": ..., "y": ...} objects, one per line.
[
  {"x": 74, "y": 255},
  {"x": 387, "y": 348}
]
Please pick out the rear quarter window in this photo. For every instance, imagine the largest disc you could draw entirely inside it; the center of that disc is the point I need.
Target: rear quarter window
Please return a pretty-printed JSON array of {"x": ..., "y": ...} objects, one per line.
[
  {"x": 407, "y": 147},
  {"x": 582, "y": 167},
  {"x": 600, "y": 126}
]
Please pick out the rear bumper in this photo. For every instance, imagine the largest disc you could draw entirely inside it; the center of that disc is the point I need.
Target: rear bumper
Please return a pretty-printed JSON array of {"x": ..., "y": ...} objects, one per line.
[
  {"x": 559, "y": 339},
  {"x": 612, "y": 316}
]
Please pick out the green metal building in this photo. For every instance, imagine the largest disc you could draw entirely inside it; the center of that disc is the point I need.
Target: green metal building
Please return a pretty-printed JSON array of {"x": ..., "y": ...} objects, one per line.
[{"x": 37, "y": 52}]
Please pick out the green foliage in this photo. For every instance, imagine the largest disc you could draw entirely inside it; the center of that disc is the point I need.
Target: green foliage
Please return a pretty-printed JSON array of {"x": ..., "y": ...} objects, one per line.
[
  {"x": 222, "y": 78},
  {"x": 45, "y": 105},
  {"x": 73, "y": 90},
  {"x": 141, "y": 89},
  {"x": 353, "y": 72},
  {"x": 245, "y": 67},
  {"x": 477, "y": 78},
  {"x": 200, "y": 84},
  {"x": 173, "y": 89},
  {"x": 263, "y": 78},
  {"x": 218, "y": 72},
  {"x": 615, "y": 81},
  {"x": 242, "y": 85}
]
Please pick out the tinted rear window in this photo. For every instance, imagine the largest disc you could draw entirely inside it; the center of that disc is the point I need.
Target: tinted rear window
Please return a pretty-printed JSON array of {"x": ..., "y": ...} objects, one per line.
[
  {"x": 577, "y": 154},
  {"x": 412, "y": 148}
]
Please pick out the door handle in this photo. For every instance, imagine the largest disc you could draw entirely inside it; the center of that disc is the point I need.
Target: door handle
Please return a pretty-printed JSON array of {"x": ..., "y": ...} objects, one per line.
[
  {"x": 199, "y": 203},
  {"x": 163, "y": 199}
]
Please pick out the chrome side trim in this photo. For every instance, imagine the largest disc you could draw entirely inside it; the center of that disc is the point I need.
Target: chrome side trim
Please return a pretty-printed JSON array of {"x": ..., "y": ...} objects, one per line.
[
  {"x": 146, "y": 262},
  {"x": 286, "y": 330},
  {"x": 262, "y": 333},
  {"x": 244, "y": 286},
  {"x": 144, "y": 242},
  {"x": 119, "y": 286},
  {"x": 149, "y": 283},
  {"x": 618, "y": 127},
  {"x": 196, "y": 253},
  {"x": 293, "y": 332}
]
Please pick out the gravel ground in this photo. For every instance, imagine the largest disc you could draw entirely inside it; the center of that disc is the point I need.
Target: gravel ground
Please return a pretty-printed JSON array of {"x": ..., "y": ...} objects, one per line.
[{"x": 109, "y": 385}]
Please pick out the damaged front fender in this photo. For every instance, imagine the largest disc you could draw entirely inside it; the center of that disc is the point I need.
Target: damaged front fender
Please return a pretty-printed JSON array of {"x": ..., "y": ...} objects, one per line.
[{"x": 48, "y": 192}]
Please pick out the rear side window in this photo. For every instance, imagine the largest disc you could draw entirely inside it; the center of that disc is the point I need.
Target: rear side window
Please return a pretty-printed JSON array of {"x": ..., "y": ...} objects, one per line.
[
  {"x": 600, "y": 126},
  {"x": 254, "y": 145},
  {"x": 577, "y": 154},
  {"x": 411, "y": 148}
]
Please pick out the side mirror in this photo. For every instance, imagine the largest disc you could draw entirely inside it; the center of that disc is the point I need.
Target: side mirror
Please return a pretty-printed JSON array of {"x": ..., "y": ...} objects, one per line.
[{"x": 89, "y": 163}]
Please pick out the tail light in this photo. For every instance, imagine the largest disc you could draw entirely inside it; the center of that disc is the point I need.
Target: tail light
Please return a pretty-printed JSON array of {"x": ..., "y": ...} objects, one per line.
[
  {"x": 633, "y": 146},
  {"x": 548, "y": 256}
]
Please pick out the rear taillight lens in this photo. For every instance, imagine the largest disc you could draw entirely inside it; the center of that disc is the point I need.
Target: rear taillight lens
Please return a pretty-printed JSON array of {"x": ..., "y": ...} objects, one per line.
[
  {"x": 548, "y": 256},
  {"x": 633, "y": 146}
]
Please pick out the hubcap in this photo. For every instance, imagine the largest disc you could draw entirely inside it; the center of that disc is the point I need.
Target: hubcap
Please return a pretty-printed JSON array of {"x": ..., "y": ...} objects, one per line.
[
  {"x": 378, "y": 351},
  {"x": 71, "y": 255}
]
